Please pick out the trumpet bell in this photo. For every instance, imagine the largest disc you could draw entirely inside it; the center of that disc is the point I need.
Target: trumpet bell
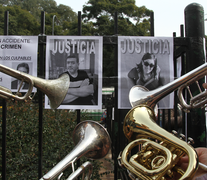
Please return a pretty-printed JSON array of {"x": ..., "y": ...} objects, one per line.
[
  {"x": 92, "y": 129},
  {"x": 91, "y": 140},
  {"x": 56, "y": 89}
]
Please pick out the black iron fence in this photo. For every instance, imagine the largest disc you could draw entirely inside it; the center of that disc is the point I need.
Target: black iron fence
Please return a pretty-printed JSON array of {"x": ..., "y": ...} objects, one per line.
[{"x": 189, "y": 48}]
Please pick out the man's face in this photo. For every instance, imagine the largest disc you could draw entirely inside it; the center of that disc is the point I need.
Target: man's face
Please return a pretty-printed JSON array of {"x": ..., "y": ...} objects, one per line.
[
  {"x": 72, "y": 65},
  {"x": 22, "y": 69}
]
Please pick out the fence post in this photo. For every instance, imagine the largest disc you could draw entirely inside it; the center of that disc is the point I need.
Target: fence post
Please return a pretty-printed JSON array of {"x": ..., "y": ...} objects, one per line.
[
  {"x": 152, "y": 29},
  {"x": 195, "y": 56},
  {"x": 79, "y": 34},
  {"x": 41, "y": 74},
  {"x": 117, "y": 123},
  {"x": 78, "y": 111},
  {"x": 4, "y": 108}
]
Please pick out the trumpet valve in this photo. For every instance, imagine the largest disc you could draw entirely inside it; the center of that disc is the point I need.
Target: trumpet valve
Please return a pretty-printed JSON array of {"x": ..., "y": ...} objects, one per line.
[
  {"x": 190, "y": 141},
  {"x": 182, "y": 137},
  {"x": 175, "y": 133}
]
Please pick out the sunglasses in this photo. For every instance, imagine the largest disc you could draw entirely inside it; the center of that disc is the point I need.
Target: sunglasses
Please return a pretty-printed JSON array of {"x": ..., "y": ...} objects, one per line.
[{"x": 148, "y": 64}]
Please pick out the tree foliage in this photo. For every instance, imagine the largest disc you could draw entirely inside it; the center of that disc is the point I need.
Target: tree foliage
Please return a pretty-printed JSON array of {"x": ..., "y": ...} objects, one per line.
[
  {"x": 132, "y": 20},
  {"x": 98, "y": 17},
  {"x": 28, "y": 12},
  {"x": 21, "y": 22},
  {"x": 36, "y": 6}
]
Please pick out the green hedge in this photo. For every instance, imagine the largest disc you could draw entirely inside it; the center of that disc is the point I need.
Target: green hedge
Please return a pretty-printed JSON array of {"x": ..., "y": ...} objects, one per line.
[{"x": 22, "y": 139}]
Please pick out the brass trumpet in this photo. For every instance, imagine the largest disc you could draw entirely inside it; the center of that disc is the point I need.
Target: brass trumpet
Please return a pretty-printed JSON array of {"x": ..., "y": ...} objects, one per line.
[
  {"x": 55, "y": 89},
  {"x": 160, "y": 150},
  {"x": 92, "y": 141}
]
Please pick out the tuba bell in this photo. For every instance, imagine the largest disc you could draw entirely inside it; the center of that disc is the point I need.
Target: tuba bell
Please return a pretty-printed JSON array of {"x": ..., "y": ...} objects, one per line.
[
  {"x": 92, "y": 141},
  {"x": 159, "y": 150},
  {"x": 55, "y": 89}
]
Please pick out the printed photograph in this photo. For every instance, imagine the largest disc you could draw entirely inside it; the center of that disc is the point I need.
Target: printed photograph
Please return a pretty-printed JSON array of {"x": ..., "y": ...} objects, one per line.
[
  {"x": 17, "y": 84},
  {"x": 144, "y": 61},
  {"x": 81, "y": 58},
  {"x": 20, "y": 54}
]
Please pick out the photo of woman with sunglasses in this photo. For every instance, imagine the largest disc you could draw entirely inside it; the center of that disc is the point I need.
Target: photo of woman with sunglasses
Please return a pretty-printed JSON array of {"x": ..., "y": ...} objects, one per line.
[
  {"x": 146, "y": 73},
  {"x": 142, "y": 62}
]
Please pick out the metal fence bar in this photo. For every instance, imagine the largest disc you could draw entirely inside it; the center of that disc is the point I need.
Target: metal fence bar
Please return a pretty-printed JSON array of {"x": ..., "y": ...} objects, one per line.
[
  {"x": 195, "y": 56},
  {"x": 4, "y": 109},
  {"x": 41, "y": 74},
  {"x": 116, "y": 144}
]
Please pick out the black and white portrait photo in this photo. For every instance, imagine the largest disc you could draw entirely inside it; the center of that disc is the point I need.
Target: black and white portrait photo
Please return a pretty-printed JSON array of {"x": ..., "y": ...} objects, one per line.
[
  {"x": 144, "y": 61},
  {"x": 20, "y": 54},
  {"x": 146, "y": 73},
  {"x": 81, "y": 59},
  {"x": 17, "y": 83}
]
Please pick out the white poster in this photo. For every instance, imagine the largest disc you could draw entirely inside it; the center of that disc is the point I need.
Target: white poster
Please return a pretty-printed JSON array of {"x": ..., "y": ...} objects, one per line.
[
  {"x": 81, "y": 58},
  {"x": 146, "y": 61},
  {"x": 18, "y": 53}
]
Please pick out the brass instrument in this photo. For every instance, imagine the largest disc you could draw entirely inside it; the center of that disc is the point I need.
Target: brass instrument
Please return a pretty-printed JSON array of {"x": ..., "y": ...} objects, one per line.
[
  {"x": 92, "y": 141},
  {"x": 160, "y": 150},
  {"x": 197, "y": 101},
  {"x": 81, "y": 170},
  {"x": 55, "y": 89}
]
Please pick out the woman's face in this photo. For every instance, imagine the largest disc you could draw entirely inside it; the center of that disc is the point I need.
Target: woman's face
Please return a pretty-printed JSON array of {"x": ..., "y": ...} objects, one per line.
[{"x": 148, "y": 65}]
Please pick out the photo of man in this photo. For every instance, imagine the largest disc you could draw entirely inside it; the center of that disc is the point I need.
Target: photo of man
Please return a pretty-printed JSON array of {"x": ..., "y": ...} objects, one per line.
[
  {"x": 22, "y": 59},
  {"x": 15, "y": 84},
  {"x": 81, "y": 89},
  {"x": 81, "y": 58}
]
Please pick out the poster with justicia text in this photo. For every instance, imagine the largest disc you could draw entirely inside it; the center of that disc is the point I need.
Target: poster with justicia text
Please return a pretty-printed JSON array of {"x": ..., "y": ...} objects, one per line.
[
  {"x": 147, "y": 62},
  {"x": 20, "y": 54},
  {"x": 80, "y": 57}
]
